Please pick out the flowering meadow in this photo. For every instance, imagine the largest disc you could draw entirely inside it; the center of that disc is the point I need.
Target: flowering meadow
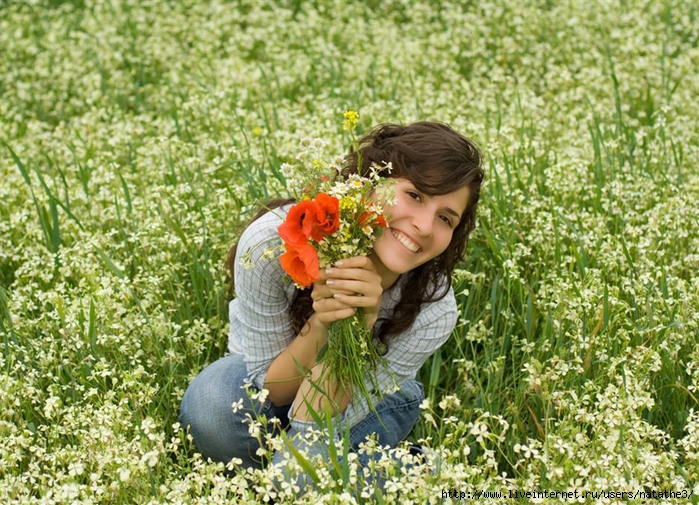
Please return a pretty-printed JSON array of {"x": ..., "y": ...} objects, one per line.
[{"x": 137, "y": 139}]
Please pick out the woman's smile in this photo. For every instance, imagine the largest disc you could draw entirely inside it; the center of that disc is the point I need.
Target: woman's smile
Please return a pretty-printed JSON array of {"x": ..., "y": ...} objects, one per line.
[{"x": 405, "y": 240}]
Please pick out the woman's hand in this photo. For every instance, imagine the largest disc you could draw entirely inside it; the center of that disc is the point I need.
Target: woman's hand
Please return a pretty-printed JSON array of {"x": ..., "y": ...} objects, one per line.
[{"x": 346, "y": 286}]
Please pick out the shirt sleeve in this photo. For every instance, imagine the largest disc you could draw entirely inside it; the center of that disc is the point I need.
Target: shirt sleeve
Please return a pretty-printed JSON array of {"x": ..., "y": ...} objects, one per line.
[{"x": 259, "y": 315}]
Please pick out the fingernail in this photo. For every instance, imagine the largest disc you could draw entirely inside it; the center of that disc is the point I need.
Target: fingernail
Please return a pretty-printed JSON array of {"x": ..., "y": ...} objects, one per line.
[
  {"x": 328, "y": 271},
  {"x": 330, "y": 281},
  {"x": 338, "y": 263}
]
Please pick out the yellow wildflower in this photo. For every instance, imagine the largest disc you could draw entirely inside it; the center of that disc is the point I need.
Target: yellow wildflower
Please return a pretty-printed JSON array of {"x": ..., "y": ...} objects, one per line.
[{"x": 351, "y": 120}]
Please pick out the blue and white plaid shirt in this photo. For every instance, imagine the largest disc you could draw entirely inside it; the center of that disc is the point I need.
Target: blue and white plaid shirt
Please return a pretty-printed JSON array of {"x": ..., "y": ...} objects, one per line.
[{"x": 260, "y": 325}]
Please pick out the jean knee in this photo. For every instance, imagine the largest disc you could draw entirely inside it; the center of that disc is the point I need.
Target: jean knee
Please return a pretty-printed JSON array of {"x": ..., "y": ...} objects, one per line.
[
  {"x": 207, "y": 412},
  {"x": 393, "y": 418},
  {"x": 192, "y": 416}
]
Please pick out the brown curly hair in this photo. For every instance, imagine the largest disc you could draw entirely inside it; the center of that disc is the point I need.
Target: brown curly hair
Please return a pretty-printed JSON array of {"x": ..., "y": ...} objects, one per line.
[{"x": 437, "y": 160}]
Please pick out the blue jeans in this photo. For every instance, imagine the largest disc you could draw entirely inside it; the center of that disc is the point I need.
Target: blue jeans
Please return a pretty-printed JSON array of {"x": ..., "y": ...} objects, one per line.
[{"x": 221, "y": 434}]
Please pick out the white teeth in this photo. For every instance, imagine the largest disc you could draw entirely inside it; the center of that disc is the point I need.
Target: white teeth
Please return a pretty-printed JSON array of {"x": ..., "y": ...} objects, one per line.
[{"x": 412, "y": 246}]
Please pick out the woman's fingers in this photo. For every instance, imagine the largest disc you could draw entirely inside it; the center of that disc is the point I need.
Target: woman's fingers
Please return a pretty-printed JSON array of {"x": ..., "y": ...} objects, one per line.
[
  {"x": 322, "y": 290},
  {"x": 359, "y": 267},
  {"x": 349, "y": 284},
  {"x": 331, "y": 309},
  {"x": 356, "y": 298},
  {"x": 355, "y": 262},
  {"x": 353, "y": 285}
]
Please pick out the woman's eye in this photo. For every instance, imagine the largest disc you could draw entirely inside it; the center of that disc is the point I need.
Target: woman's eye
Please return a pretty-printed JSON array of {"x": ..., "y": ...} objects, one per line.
[
  {"x": 446, "y": 220},
  {"x": 413, "y": 195}
]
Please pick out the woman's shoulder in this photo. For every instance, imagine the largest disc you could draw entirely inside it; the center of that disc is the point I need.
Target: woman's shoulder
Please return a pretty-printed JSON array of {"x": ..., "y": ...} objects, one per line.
[
  {"x": 270, "y": 220},
  {"x": 264, "y": 228},
  {"x": 445, "y": 305},
  {"x": 257, "y": 255},
  {"x": 442, "y": 312}
]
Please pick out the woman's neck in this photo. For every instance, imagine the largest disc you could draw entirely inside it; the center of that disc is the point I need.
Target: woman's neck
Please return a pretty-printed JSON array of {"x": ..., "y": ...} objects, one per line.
[{"x": 388, "y": 277}]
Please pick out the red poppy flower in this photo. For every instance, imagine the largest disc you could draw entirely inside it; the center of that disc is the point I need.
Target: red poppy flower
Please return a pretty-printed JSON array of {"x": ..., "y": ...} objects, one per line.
[
  {"x": 314, "y": 219},
  {"x": 301, "y": 263},
  {"x": 300, "y": 222},
  {"x": 328, "y": 216}
]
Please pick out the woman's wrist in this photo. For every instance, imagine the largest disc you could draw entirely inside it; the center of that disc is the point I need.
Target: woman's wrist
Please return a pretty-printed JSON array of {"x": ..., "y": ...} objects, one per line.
[
  {"x": 370, "y": 317},
  {"x": 317, "y": 330}
]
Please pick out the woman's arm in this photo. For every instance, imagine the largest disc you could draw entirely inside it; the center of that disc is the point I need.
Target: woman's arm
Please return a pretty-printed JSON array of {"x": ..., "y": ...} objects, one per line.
[
  {"x": 290, "y": 367},
  {"x": 260, "y": 323}
]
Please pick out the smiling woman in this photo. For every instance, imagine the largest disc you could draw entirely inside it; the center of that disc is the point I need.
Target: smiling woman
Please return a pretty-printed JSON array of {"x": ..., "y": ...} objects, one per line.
[
  {"x": 421, "y": 228},
  {"x": 403, "y": 287}
]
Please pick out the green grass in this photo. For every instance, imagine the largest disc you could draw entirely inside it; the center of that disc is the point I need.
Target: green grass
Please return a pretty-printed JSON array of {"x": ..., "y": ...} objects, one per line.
[{"x": 136, "y": 141}]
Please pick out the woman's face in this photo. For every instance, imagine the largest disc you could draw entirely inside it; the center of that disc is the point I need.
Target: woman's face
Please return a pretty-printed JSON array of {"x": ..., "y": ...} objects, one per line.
[{"x": 420, "y": 228}]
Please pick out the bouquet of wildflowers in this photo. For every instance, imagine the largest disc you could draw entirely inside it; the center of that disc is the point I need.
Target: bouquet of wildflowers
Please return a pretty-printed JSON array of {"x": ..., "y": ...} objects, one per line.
[{"x": 336, "y": 219}]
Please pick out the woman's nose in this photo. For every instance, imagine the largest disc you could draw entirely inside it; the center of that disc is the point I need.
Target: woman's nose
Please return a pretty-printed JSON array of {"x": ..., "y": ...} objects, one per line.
[{"x": 422, "y": 223}]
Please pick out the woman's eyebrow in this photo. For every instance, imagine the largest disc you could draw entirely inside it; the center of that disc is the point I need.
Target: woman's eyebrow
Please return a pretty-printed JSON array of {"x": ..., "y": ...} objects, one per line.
[{"x": 449, "y": 210}]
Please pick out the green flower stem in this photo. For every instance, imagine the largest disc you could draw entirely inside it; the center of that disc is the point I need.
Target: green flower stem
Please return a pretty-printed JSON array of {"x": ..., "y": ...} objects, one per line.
[{"x": 352, "y": 358}]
